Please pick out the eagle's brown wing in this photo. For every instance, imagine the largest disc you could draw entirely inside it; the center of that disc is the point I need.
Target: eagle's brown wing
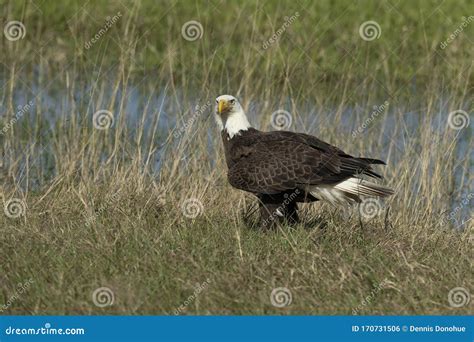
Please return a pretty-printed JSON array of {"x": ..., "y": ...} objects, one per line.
[{"x": 273, "y": 162}]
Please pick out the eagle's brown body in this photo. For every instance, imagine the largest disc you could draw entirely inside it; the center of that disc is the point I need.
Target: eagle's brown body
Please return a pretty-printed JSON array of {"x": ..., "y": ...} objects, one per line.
[
  {"x": 284, "y": 168},
  {"x": 281, "y": 168}
]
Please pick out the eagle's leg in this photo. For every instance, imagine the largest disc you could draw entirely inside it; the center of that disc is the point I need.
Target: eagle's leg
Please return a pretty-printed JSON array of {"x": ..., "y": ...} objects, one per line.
[
  {"x": 291, "y": 213},
  {"x": 269, "y": 215},
  {"x": 277, "y": 208}
]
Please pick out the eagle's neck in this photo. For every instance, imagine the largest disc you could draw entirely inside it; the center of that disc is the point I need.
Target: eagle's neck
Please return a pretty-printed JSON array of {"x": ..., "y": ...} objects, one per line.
[
  {"x": 234, "y": 123},
  {"x": 236, "y": 147}
]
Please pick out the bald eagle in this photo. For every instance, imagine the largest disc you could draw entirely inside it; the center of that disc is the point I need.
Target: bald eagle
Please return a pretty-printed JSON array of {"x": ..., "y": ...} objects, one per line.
[{"x": 283, "y": 168}]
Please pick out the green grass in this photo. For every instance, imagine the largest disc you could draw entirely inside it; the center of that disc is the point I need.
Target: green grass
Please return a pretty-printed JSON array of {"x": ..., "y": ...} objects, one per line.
[
  {"x": 152, "y": 260},
  {"x": 99, "y": 214}
]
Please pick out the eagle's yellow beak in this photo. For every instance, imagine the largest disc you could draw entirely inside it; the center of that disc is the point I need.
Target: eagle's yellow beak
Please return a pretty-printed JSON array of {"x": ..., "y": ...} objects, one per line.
[{"x": 222, "y": 106}]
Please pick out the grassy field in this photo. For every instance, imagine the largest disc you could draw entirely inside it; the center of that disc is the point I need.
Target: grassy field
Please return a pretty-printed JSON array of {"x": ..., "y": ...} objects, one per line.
[{"x": 137, "y": 217}]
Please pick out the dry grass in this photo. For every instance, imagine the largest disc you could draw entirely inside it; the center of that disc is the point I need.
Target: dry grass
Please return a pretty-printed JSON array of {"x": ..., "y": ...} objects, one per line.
[{"x": 104, "y": 207}]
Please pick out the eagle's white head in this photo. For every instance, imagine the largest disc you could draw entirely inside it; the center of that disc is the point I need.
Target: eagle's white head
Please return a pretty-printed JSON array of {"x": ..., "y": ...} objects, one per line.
[{"x": 230, "y": 115}]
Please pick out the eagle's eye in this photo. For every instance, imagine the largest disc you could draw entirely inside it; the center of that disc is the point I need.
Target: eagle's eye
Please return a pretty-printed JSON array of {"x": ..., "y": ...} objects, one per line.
[
  {"x": 217, "y": 100},
  {"x": 232, "y": 101}
]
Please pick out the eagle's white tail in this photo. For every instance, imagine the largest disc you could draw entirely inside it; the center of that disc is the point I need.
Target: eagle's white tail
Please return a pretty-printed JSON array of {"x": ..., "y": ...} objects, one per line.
[
  {"x": 357, "y": 186},
  {"x": 350, "y": 190}
]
